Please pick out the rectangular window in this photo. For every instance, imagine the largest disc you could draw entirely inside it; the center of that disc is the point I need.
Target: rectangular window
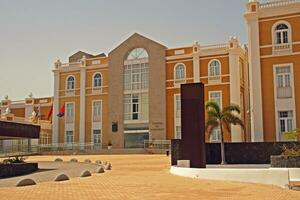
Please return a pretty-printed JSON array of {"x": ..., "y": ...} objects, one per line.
[
  {"x": 216, "y": 135},
  {"x": 178, "y": 106},
  {"x": 97, "y": 137},
  {"x": 278, "y": 36},
  {"x": 70, "y": 113},
  {"x": 216, "y": 97},
  {"x": 97, "y": 108},
  {"x": 136, "y": 76},
  {"x": 283, "y": 82},
  {"x": 135, "y": 107},
  {"x": 285, "y": 37},
  {"x": 69, "y": 137},
  {"x": 285, "y": 121}
]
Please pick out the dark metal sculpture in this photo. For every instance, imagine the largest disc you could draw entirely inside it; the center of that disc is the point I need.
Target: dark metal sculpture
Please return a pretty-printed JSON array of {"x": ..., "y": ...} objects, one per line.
[{"x": 192, "y": 145}]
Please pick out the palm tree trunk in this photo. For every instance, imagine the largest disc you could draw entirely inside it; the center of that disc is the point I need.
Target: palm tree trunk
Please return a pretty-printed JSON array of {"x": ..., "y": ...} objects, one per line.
[{"x": 223, "y": 162}]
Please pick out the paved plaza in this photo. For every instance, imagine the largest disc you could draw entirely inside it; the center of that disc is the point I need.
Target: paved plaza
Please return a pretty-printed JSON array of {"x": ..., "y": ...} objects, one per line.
[{"x": 140, "y": 177}]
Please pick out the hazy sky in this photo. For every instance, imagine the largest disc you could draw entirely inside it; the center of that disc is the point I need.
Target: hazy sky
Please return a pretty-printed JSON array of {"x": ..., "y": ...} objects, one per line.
[{"x": 35, "y": 33}]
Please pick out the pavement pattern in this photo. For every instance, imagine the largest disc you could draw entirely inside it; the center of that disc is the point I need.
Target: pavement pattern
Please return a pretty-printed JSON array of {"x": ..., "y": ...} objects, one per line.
[{"x": 141, "y": 177}]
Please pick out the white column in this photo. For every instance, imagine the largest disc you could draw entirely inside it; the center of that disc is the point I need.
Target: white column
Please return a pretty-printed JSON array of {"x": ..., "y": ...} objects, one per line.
[
  {"x": 196, "y": 62},
  {"x": 235, "y": 84},
  {"x": 255, "y": 78},
  {"x": 82, "y": 102},
  {"x": 55, "y": 119},
  {"x": 29, "y": 107}
]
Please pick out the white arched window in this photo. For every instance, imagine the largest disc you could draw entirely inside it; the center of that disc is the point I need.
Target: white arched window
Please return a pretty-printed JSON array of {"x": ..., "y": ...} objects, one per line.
[
  {"x": 179, "y": 72},
  {"x": 214, "y": 71},
  {"x": 137, "y": 53},
  {"x": 97, "y": 80},
  {"x": 214, "y": 68},
  {"x": 282, "y": 34},
  {"x": 70, "y": 83},
  {"x": 282, "y": 37}
]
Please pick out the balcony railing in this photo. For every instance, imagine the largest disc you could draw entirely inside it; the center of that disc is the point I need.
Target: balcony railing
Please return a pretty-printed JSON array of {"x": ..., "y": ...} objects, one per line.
[
  {"x": 277, "y": 3},
  {"x": 215, "y": 46},
  {"x": 214, "y": 79},
  {"x": 280, "y": 47}
]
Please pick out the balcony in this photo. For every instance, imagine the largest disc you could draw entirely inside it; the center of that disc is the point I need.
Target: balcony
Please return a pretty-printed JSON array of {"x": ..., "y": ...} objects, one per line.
[
  {"x": 70, "y": 92},
  {"x": 214, "y": 79},
  {"x": 282, "y": 48}
]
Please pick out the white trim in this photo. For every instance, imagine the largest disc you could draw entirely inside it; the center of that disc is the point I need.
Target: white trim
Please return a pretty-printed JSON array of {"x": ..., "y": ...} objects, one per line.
[
  {"x": 270, "y": 45},
  {"x": 206, "y": 85},
  {"x": 136, "y": 131},
  {"x": 196, "y": 67},
  {"x": 97, "y": 88},
  {"x": 288, "y": 104},
  {"x": 289, "y": 35},
  {"x": 172, "y": 80},
  {"x": 101, "y": 102},
  {"x": 255, "y": 77},
  {"x": 279, "y": 18},
  {"x": 82, "y": 105},
  {"x": 70, "y": 92},
  {"x": 221, "y": 96},
  {"x": 55, "y": 131},
  {"x": 176, "y": 81},
  {"x": 69, "y": 126},
  {"x": 287, "y": 54},
  {"x": 177, "y": 121},
  {"x": 176, "y": 61},
  {"x": 97, "y": 125},
  {"x": 211, "y": 78}
]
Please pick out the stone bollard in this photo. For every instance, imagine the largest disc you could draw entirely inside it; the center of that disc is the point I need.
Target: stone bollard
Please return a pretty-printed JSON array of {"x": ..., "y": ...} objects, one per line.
[
  {"x": 25, "y": 182},
  {"x": 85, "y": 173},
  {"x": 98, "y": 162},
  {"x": 61, "y": 177},
  {"x": 73, "y": 160},
  {"x": 58, "y": 160},
  {"x": 99, "y": 169}
]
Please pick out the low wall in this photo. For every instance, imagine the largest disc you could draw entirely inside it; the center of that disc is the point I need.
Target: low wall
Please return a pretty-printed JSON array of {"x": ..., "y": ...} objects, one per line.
[
  {"x": 278, "y": 177},
  {"x": 236, "y": 153},
  {"x": 17, "y": 169}
]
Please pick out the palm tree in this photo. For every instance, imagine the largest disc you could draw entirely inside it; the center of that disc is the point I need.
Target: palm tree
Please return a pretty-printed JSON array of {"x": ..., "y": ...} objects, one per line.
[{"x": 223, "y": 119}]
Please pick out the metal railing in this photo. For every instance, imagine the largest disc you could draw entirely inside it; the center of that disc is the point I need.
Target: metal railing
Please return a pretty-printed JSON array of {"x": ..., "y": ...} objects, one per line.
[
  {"x": 157, "y": 144},
  {"x": 33, "y": 149}
]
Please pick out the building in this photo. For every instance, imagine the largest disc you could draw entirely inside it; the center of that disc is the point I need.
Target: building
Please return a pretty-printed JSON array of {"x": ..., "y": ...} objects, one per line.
[
  {"x": 133, "y": 94},
  {"x": 22, "y": 112},
  {"x": 274, "y": 57}
]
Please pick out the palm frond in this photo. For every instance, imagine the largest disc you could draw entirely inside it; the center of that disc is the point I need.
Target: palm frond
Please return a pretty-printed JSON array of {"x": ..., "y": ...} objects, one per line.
[
  {"x": 211, "y": 124},
  {"x": 212, "y": 113},
  {"x": 231, "y": 118},
  {"x": 212, "y": 105},
  {"x": 232, "y": 108}
]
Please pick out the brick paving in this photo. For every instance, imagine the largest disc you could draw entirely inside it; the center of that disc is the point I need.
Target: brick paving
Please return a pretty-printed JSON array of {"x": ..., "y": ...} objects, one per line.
[{"x": 141, "y": 177}]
